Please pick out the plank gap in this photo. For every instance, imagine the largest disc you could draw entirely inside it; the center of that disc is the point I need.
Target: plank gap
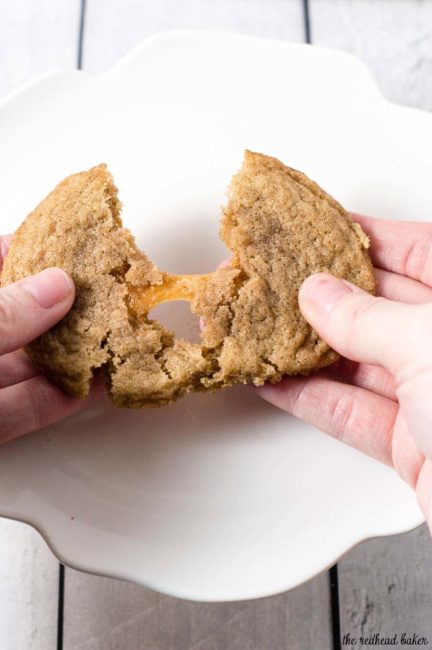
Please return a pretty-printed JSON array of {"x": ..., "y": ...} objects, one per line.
[
  {"x": 81, "y": 34},
  {"x": 60, "y": 614},
  {"x": 307, "y": 22},
  {"x": 334, "y": 607}
]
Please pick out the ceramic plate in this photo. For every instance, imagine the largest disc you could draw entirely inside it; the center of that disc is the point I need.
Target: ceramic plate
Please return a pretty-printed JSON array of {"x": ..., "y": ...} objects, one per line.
[{"x": 218, "y": 497}]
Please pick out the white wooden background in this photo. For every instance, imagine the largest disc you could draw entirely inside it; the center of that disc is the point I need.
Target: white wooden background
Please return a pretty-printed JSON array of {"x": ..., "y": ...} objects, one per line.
[{"x": 381, "y": 586}]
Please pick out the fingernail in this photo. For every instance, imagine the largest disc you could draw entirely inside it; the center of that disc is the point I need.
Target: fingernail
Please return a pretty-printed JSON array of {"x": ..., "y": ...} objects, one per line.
[
  {"x": 49, "y": 287},
  {"x": 321, "y": 292}
]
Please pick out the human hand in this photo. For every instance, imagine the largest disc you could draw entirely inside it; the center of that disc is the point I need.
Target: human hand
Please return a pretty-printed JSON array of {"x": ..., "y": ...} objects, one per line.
[
  {"x": 378, "y": 397},
  {"x": 28, "y": 400}
]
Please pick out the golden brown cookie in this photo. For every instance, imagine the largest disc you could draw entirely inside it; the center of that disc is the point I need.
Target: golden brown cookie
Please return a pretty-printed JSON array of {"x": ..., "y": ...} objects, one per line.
[{"x": 280, "y": 228}]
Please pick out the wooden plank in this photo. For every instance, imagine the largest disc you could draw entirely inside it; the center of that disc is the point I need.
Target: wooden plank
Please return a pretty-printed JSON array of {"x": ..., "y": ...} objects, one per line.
[
  {"x": 106, "y": 614},
  {"x": 393, "y": 37},
  {"x": 36, "y": 37},
  {"x": 385, "y": 587},
  {"x": 385, "y": 584},
  {"x": 29, "y": 589},
  {"x": 112, "y": 29}
]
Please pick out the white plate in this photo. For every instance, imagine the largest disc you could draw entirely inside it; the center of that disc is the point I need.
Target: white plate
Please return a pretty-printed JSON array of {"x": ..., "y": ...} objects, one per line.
[{"x": 219, "y": 497}]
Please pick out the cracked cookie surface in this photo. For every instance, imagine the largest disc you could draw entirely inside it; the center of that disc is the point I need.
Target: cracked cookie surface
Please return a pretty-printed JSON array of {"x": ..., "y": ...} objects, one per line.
[{"x": 280, "y": 228}]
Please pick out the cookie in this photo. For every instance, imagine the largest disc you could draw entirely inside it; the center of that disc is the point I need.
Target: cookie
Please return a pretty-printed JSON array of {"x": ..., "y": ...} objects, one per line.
[{"x": 280, "y": 228}]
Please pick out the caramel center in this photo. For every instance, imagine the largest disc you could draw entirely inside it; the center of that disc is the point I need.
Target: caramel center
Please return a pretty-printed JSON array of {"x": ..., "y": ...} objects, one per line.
[{"x": 172, "y": 287}]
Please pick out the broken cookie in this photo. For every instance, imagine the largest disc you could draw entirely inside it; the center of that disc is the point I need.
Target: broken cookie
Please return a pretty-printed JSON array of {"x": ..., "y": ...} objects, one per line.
[{"x": 280, "y": 228}]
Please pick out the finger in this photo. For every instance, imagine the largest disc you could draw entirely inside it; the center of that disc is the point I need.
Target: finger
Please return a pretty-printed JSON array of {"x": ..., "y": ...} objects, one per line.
[
  {"x": 403, "y": 247},
  {"x": 16, "y": 367},
  {"x": 398, "y": 287},
  {"x": 424, "y": 490},
  {"x": 5, "y": 241},
  {"x": 406, "y": 454},
  {"x": 32, "y": 305},
  {"x": 362, "y": 327},
  {"x": 350, "y": 414},
  {"x": 224, "y": 264},
  {"x": 373, "y": 378},
  {"x": 34, "y": 404}
]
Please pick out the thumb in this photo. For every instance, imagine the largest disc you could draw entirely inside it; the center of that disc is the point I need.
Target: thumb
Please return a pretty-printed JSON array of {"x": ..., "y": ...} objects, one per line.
[
  {"x": 359, "y": 326},
  {"x": 32, "y": 305}
]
